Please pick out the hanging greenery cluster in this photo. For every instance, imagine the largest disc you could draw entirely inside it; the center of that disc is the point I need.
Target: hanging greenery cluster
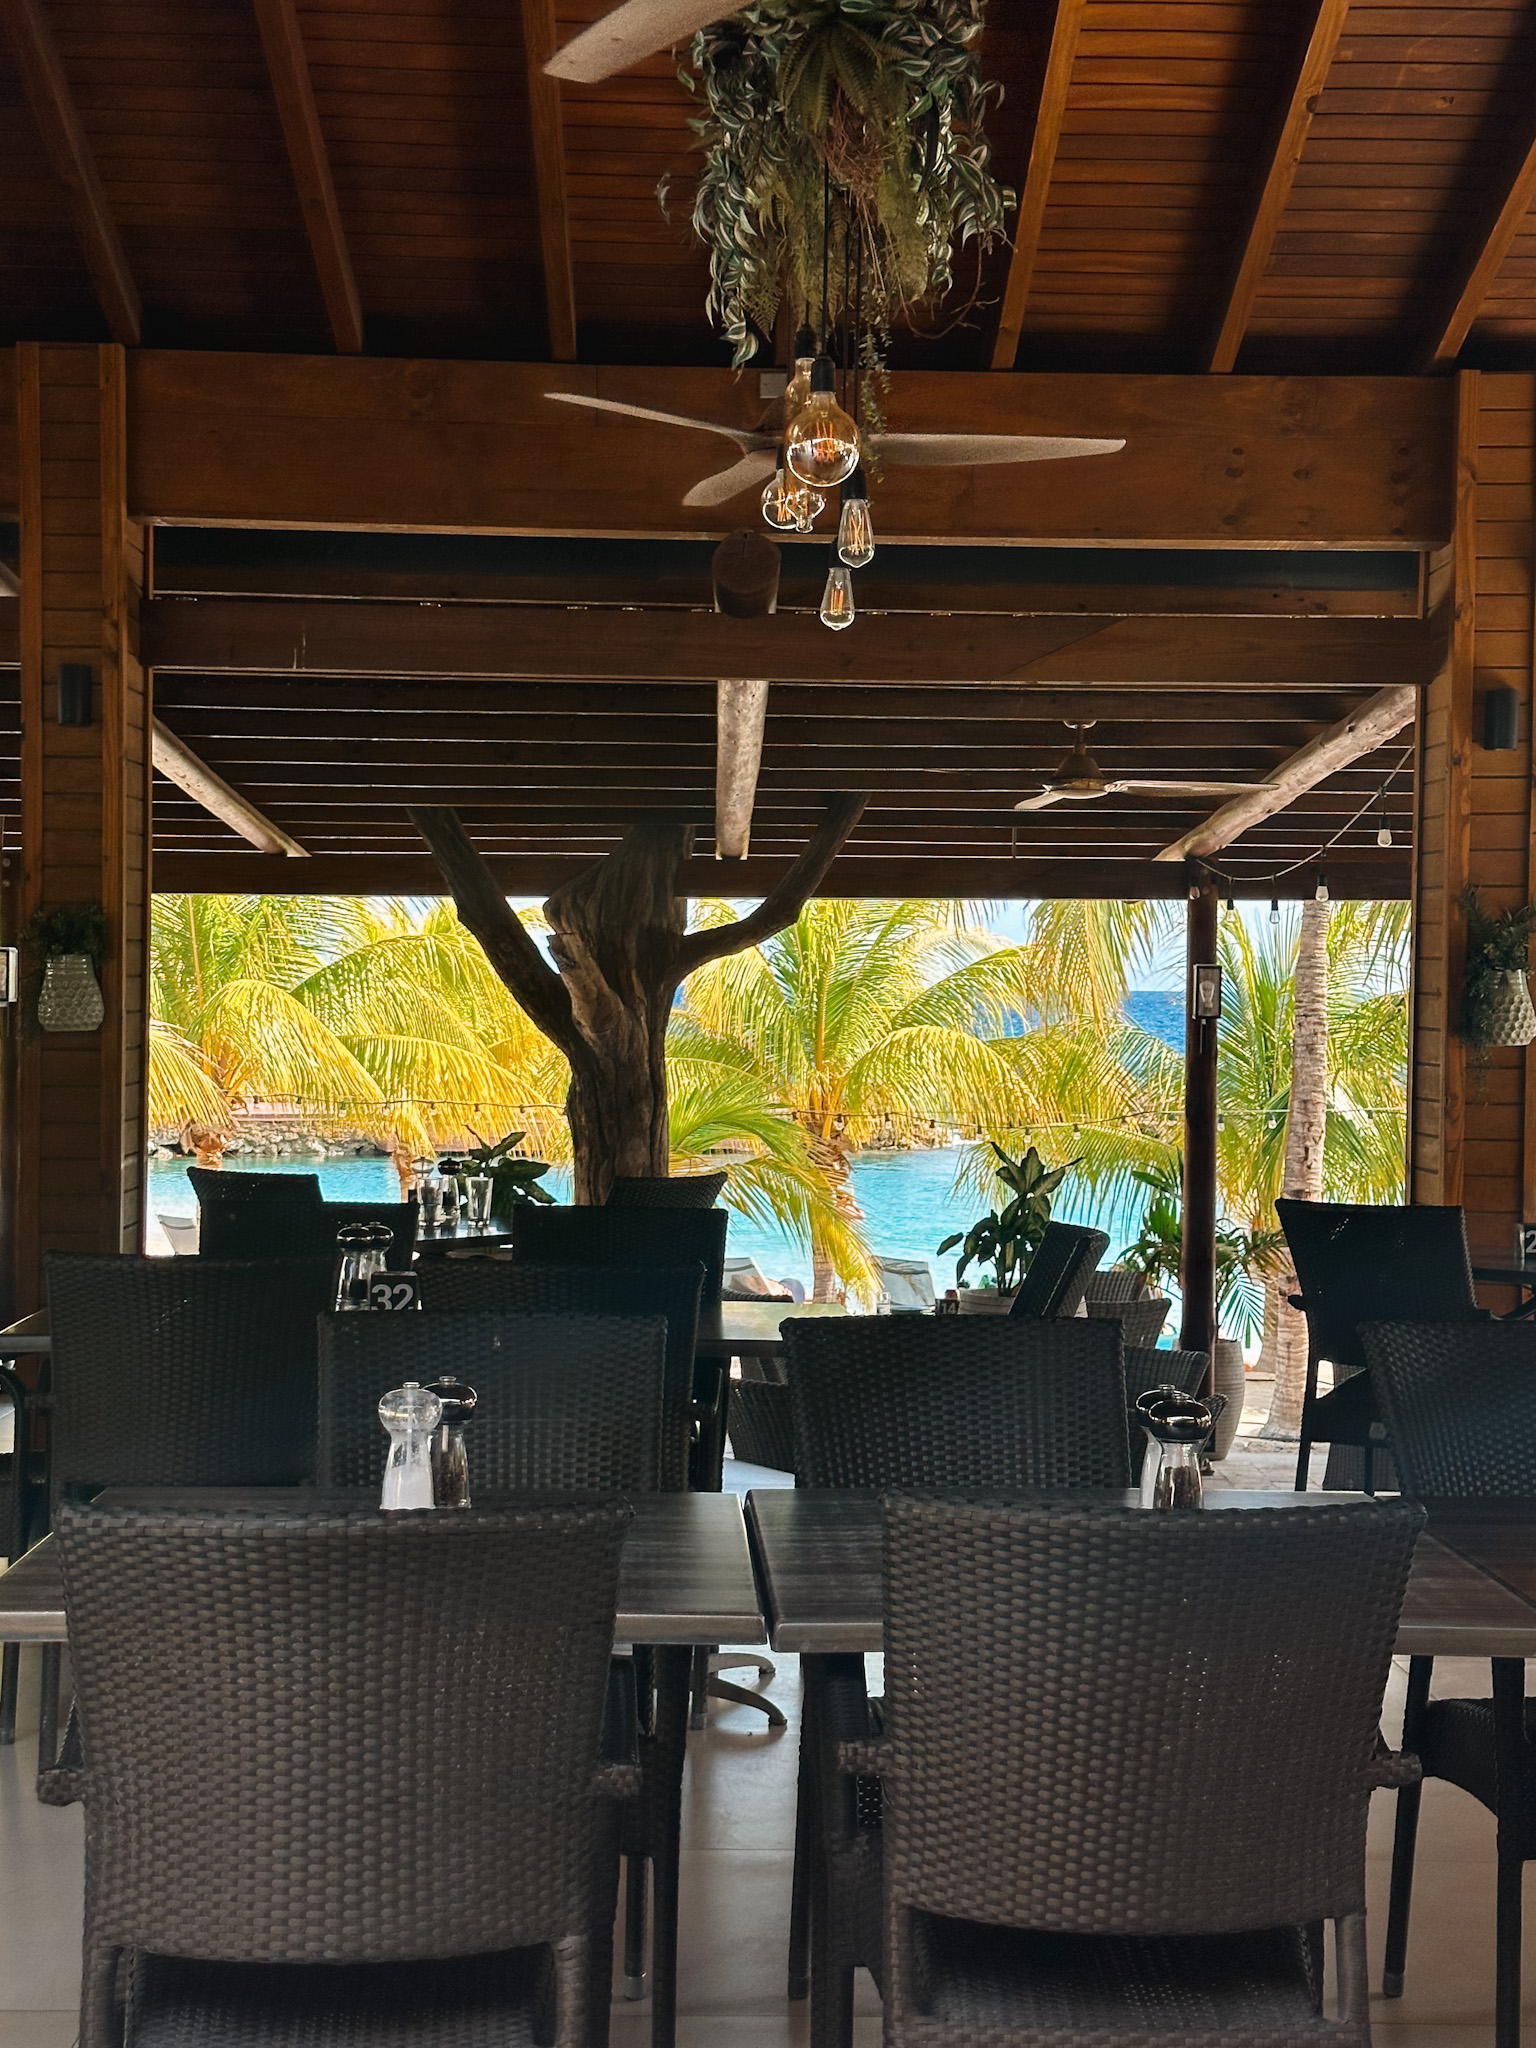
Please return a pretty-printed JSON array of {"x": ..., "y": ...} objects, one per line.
[
  {"x": 879, "y": 100},
  {"x": 1497, "y": 944}
]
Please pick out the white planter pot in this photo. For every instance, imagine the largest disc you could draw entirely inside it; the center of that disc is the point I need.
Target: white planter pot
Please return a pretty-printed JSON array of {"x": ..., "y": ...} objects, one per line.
[
  {"x": 70, "y": 998},
  {"x": 984, "y": 1301},
  {"x": 1512, "y": 1019},
  {"x": 1230, "y": 1378}
]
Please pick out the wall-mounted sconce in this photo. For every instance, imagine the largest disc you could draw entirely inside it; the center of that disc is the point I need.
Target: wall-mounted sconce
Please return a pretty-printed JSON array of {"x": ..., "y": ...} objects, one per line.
[
  {"x": 10, "y": 975},
  {"x": 1205, "y": 991},
  {"x": 75, "y": 680}
]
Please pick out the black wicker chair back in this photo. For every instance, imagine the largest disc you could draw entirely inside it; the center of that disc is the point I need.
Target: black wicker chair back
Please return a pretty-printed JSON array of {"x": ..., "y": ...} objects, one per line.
[
  {"x": 400, "y": 1216},
  {"x": 1460, "y": 1401},
  {"x": 625, "y": 1237},
  {"x": 675, "y": 1191},
  {"x": 403, "y": 1770},
  {"x": 510, "y": 1287},
  {"x": 972, "y": 1404},
  {"x": 1127, "y": 1644},
  {"x": 1113, "y": 1283},
  {"x": 264, "y": 1189},
  {"x": 182, "y": 1372},
  {"x": 567, "y": 1403},
  {"x": 1359, "y": 1264},
  {"x": 1058, "y": 1273}
]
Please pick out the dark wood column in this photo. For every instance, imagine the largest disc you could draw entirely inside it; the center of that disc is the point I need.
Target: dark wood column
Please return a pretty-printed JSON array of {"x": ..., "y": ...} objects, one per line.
[
  {"x": 1197, "y": 1266},
  {"x": 85, "y": 806}
]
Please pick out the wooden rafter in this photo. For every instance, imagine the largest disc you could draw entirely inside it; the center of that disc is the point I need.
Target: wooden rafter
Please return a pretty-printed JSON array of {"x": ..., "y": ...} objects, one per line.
[
  {"x": 1279, "y": 175},
  {"x": 283, "y": 41},
  {"x": 175, "y": 760},
  {"x": 1050, "y": 111},
  {"x": 547, "y": 130},
  {"x": 1362, "y": 732},
  {"x": 58, "y": 122},
  {"x": 741, "y": 710},
  {"x": 1510, "y": 206}
]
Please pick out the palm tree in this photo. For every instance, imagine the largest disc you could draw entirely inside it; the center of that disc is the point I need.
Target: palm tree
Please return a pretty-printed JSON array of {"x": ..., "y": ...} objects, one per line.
[{"x": 863, "y": 1019}]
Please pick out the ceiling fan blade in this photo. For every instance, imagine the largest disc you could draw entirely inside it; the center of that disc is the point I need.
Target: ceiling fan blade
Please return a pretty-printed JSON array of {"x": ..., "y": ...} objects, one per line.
[
  {"x": 743, "y": 437},
  {"x": 755, "y": 468},
  {"x": 970, "y": 451},
  {"x": 1174, "y": 788},
  {"x": 1042, "y": 801},
  {"x": 638, "y": 29}
]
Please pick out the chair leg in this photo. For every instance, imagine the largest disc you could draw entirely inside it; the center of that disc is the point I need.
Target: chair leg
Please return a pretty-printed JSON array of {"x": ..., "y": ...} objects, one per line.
[
  {"x": 805, "y": 1850},
  {"x": 831, "y": 2016},
  {"x": 698, "y": 1705},
  {"x": 636, "y": 1873},
  {"x": 672, "y": 1693},
  {"x": 1506, "y": 2010},
  {"x": 48, "y": 1705},
  {"x": 1368, "y": 1476},
  {"x": 10, "y": 1673},
  {"x": 1405, "y": 1835},
  {"x": 1303, "y": 1461}
]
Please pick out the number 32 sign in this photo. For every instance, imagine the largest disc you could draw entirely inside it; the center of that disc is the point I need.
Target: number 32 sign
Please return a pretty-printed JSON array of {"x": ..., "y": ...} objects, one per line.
[{"x": 394, "y": 1291}]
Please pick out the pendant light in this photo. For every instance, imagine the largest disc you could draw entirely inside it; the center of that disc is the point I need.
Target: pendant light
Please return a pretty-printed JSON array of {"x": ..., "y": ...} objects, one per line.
[
  {"x": 855, "y": 529},
  {"x": 837, "y": 607},
  {"x": 821, "y": 445}
]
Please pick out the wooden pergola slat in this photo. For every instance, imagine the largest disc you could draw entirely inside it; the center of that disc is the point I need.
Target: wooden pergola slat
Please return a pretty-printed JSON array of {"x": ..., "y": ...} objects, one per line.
[{"x": 547, "y": 133}]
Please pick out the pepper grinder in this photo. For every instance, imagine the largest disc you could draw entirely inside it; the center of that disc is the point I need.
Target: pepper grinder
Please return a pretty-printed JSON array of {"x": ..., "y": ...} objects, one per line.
[{"x": 450, "y": 1460}]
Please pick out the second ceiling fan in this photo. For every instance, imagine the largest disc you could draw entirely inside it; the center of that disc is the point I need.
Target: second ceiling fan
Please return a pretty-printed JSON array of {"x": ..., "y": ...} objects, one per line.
[{"x": 1080, "y": 778}]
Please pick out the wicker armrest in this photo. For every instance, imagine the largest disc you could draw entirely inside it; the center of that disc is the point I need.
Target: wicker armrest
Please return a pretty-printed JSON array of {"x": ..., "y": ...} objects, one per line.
[{"x": 1391, "y": 1767}]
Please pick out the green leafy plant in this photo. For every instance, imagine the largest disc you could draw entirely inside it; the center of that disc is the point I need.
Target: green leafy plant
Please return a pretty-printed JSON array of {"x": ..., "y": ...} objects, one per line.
[
  {"x": 72, "y": 928},
  {"x": 1008, "y": 1238},
  {"x": 1245, "y": 1258},
  {"x": 1498, "y": 943},
  {"x": 514, "y": 1177},
  {"x": 880, "y": 100}
]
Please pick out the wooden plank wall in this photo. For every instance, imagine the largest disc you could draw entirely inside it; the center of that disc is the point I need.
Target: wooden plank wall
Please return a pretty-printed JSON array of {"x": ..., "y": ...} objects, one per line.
[
  {"x": 1473, "y": 1126},
  {"x": 85, "y": 806}
]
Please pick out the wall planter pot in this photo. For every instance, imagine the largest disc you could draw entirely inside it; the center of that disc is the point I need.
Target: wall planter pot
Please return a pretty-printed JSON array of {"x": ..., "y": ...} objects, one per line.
[
  {"x": 984, "y": 1301},
  {"x": 1229, "y": 1375},
  {"x": 1511, "y": 1019},
  {"x": 71, "y": 996}
]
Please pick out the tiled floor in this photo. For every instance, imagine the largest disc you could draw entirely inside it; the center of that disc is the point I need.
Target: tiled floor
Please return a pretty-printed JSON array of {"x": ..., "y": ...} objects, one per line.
[{"x": 738, "y": 1833}]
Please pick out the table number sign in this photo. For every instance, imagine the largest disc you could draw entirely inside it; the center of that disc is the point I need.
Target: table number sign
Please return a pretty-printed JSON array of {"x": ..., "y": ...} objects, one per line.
[
  {"x": 1525, "y": 1243},
  {"x": 394, "y": 1291}
]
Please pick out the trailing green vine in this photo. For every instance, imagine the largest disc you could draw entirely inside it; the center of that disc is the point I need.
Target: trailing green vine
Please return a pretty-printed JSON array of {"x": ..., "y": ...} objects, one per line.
[
  {"x": 1497, "y": 944},
  {"x": 880, "y": 99}
]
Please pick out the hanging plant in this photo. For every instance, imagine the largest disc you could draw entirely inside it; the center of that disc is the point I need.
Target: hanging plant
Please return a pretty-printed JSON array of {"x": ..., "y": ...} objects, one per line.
[
  {"x": 842, "y": 139},
  {"x": 1495, "y": 990}
]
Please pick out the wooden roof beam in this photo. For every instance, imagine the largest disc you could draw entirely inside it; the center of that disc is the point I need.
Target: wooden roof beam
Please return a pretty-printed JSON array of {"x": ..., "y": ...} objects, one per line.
[
  {"x": 283, "y": 41},
  {"x": 1507, "y": 211},
  {"x": 1377, "y": 720},
  {"x": 58, "y": 122},
  {"x": 1274, "y": 191},
  {"x": 1050, "y": 112},
  {"x": 546, "y": 126},
  {"x": 175, "y": 760}
]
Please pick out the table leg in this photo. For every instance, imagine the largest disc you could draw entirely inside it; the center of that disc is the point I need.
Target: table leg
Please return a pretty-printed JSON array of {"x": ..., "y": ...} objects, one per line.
[{"x": 664, "y": 1821}]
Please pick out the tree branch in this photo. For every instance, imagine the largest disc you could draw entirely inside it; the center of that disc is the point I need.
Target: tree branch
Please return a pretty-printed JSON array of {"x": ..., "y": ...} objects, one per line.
[
  {"x": 485, "y": 910},
  {"x": 784, "y": 903}
]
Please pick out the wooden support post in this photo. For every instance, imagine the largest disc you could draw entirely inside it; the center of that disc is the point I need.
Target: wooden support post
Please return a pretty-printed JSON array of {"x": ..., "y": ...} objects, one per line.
[
  {"x": 84, "y": 806},
  {"x": 1197, "y": 1263}
]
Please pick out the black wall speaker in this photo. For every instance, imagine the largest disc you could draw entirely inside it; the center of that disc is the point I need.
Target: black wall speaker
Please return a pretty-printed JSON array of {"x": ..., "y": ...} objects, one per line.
[
  {"x": 75, "y": 693},
  {"x": 1501, "y": 720}
]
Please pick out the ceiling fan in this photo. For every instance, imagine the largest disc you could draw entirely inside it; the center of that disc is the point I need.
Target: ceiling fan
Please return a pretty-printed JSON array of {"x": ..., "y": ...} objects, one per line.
[
  {"x": 637, "y": 29},
  {"x": 760, "y": 446},
  {"x": 1080, "y": 777}
]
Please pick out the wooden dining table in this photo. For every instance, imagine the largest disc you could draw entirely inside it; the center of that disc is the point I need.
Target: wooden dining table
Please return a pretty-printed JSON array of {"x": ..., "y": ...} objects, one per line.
[{"x": 1472, "y": 1591}]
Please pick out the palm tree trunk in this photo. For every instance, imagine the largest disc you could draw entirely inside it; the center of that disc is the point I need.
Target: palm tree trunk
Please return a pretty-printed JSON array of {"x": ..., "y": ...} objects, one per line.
[{"x": 1302, "y": 1175}]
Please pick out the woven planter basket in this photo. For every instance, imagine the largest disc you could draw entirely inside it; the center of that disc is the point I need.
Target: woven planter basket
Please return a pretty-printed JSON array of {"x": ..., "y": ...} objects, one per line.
[
  {"x": 70, "y": 998},
  {"x": 1512, "y": 1019},
  {"x": 984, "y": 1301}
]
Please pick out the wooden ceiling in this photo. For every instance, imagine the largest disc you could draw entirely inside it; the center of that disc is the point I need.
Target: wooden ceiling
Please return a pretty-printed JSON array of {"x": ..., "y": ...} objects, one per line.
[{"x": 1267, "y": 184}]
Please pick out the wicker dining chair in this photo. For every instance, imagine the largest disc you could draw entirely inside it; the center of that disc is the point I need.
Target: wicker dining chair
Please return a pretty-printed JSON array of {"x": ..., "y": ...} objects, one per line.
[
  {"x": 387, "y": 1819},
  {"x": 176, "y": 1372},
  {"x": 985, "y": 1405},
  {"x": 1058, "y": 1273},
  {"x": 1126, "y": 1873},
  {"x": 1460, "y": 1402},
  {"x": 567, "y": 1403},
  {"x": 515, "y": 1287},
  {"x": 265, "y": 1189},
  {"x": 669, "y": 1191},
  {"x": 1357, "y": 1263},
  {"x": 624, "y": 1236}
]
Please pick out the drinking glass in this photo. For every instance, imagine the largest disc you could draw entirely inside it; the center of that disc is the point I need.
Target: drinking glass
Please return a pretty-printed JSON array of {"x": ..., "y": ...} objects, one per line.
[{"x": 478, "y": 1194}]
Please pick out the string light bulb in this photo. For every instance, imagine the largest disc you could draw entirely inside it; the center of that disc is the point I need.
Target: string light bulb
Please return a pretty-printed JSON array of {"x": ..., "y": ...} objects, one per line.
[
  {"x": 1274, "y": 910},
  {"x": 1321, "y": 891},
  {"x": 821, "y": 443},
  {"x": 1383, "y": 834},
  {"x": 837, "y": 607},
  {"x": 855, "y": 529}
]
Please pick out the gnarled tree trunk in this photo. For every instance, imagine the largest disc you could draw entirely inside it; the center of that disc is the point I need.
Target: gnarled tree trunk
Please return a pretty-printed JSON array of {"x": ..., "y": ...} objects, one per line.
[
  {"x": 1302, "y": 1174},
  {"x": 620, "y": 947}
]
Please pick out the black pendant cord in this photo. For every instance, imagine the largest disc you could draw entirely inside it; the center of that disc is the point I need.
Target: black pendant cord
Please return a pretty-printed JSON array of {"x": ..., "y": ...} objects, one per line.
[
  {"x": 847, "y": 305},
  {"x": 826, "y": 207},
  {"x": 858, "y": 324}
]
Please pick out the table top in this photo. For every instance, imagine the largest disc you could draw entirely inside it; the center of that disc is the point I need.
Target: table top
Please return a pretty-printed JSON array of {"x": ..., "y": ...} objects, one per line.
[
  {"x": 438, "y": 1243},
  {"x": 819, "y": 1557},
  {"x": 750, "y": 1329},
  {"x": 685, "y": 1575},
  {"x": 1502, "y": 1267}
]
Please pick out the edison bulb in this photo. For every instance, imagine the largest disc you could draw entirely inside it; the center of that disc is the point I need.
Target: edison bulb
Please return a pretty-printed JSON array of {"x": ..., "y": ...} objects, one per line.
[
  {"x": 1384, "y": 835},
  {"x": 779, "y": 503},
  {"x": 1274, "y": 909},
  {"x": 1321, "y": 891},
  {"x": 821, "y": 443},
  {"x": 855, "y": 528},
  {"x": 798, "y": 389},
  {"x": 809, "y": 505},
  {"x": 837, "y": 609}
]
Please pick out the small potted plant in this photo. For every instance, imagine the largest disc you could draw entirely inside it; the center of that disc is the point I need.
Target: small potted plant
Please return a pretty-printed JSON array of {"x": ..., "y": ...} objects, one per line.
[
  {"x": 72, "y": 943},
  {"x": 1495, "y": 986},
  {"x": 1006, "y": 1239},
  {"x": 514, "y": 1177}
]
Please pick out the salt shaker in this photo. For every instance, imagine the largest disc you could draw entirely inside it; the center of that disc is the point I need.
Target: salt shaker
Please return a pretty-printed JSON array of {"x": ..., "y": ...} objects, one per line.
[
  {"x": 450, "y": 1461},
  {"x": 411, "y": 1414}
]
